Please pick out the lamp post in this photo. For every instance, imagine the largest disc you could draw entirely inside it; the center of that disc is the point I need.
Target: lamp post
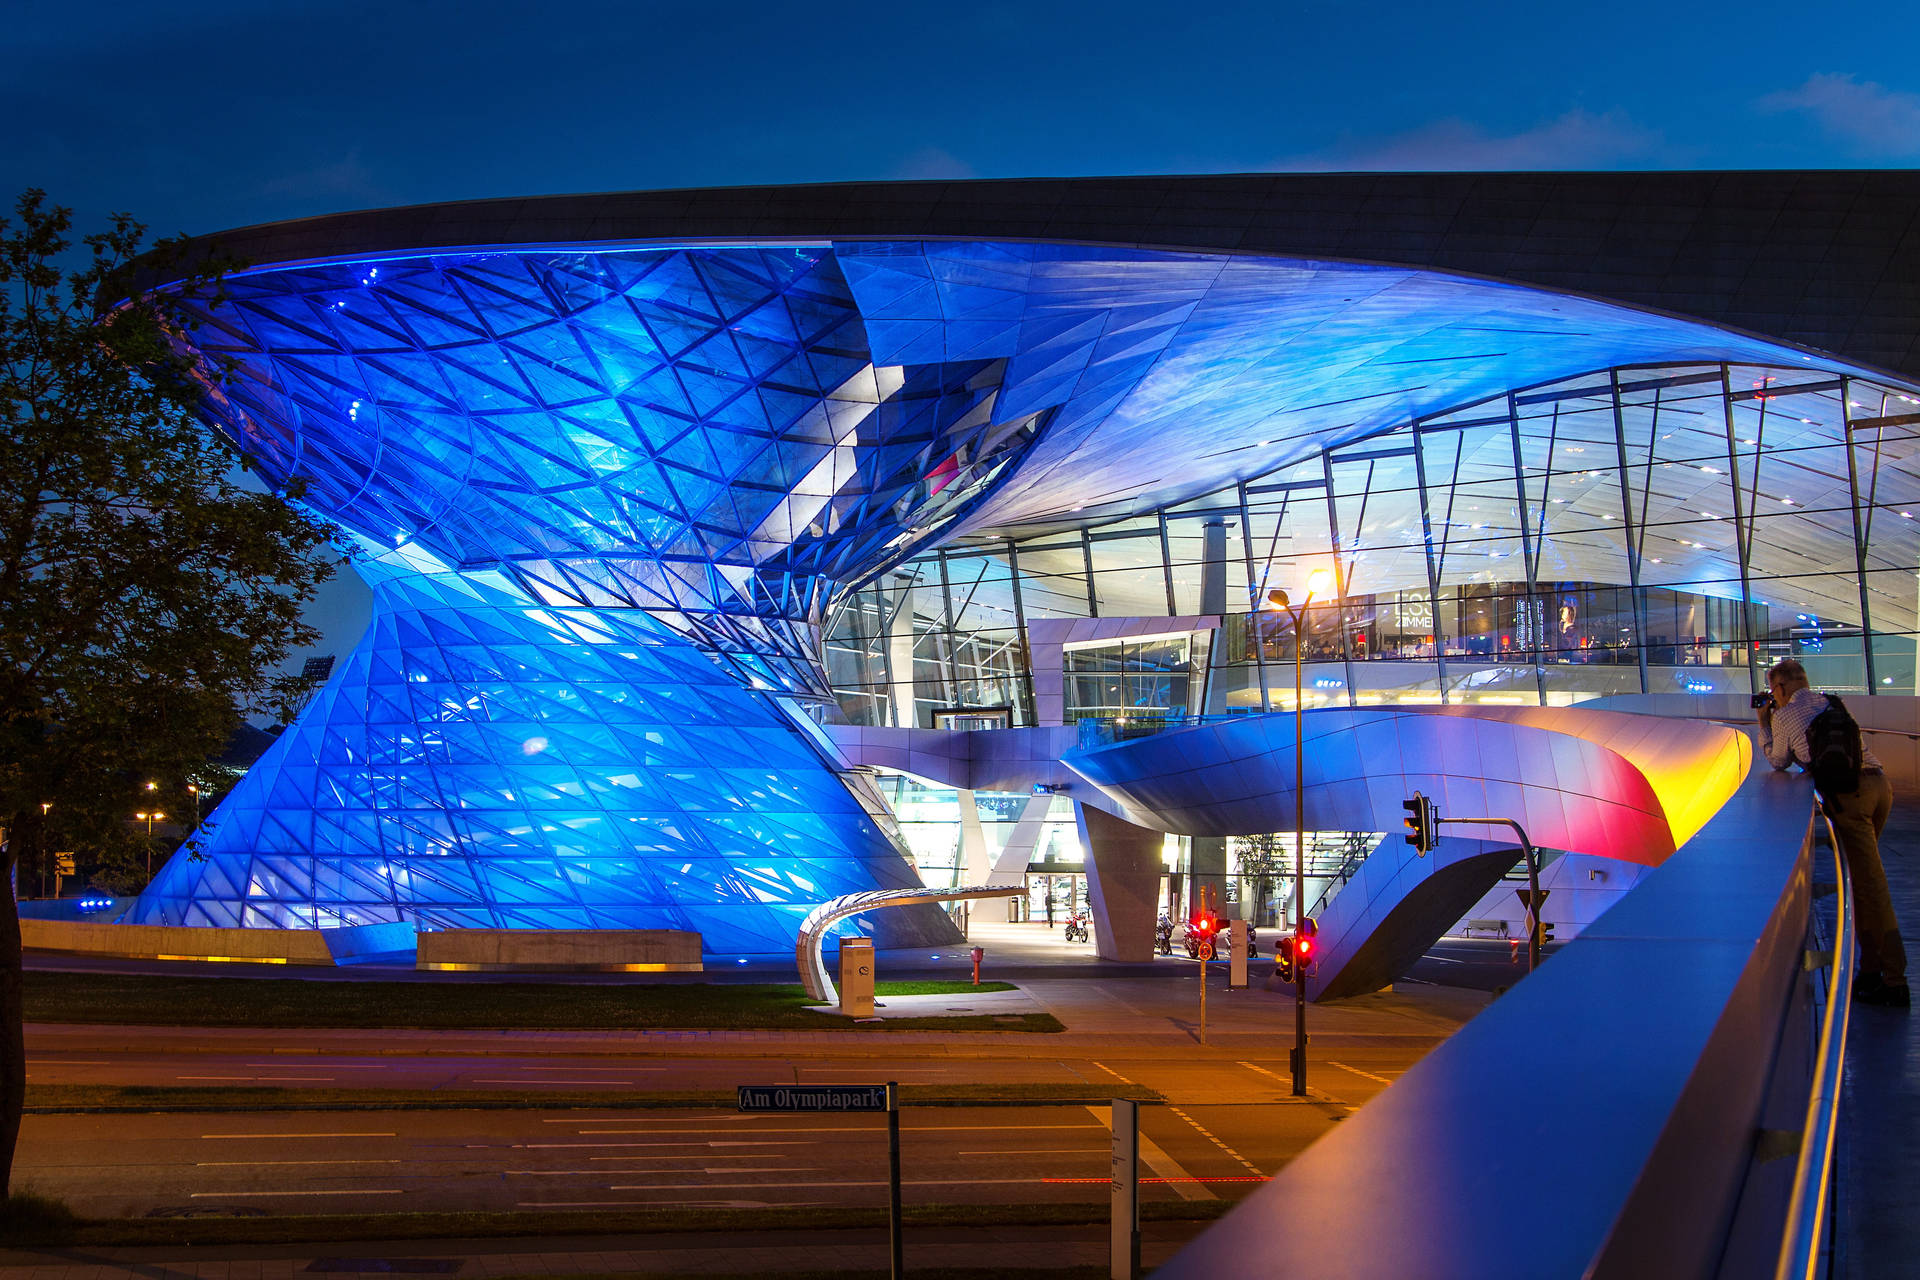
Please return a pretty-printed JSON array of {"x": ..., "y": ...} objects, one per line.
[
  {"x": 1317, "y": 581},
  {"x": 149, "y": 818}
]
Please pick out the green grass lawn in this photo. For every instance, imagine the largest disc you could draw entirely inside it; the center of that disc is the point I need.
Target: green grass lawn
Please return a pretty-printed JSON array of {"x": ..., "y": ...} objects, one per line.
[{"x": 290, "y": 1002}]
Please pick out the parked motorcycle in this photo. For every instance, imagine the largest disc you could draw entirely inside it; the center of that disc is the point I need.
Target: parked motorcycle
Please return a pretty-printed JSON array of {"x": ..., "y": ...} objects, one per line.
[
  {"x": 1077, "y": 930},
  {"x": 1163, "y": 936}
]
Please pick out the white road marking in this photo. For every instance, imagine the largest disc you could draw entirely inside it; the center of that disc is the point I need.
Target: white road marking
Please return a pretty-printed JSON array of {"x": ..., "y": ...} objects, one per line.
[
  {"x": 1110, "y": 1071},
  {"x": 905, "y": 1128},
  {"x": 235, "y": 1195},
  {"x": 1318, "y": 1095},
  {"x": 258, "y": 1164},
  {"x": 1183, "y": 1183},
  {"x": 259, "y": 1079},
  {"x": 1205, "y": 1133},
  {"x": 1357, "y": 1071},
  {"x": 628, "y": 1204},
  {"x": 553, "y": 1146},
  {"x": 659, "y": 1119},
  {"x": 707, "y": 1156},
  {"x": 210, "y": 1137},
  {"x": 905, "y": 1182},
  {"x": 1036, "y": 1151},
  {"x": 601, "y": 1173},
  {"x": 503, "y": 1081}
]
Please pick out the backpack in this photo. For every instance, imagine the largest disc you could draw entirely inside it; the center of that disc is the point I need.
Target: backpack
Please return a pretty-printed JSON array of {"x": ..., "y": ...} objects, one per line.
[{"x": 1833, "y": 750}]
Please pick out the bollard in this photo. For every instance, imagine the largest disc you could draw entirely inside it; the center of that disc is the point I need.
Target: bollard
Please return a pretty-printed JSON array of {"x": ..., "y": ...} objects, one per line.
[{"x": 978, "y": 954}]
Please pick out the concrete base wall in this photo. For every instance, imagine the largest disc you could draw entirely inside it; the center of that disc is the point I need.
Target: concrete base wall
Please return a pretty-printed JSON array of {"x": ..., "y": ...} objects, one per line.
[
  {"x": 605, "y": 950},
  {"x": 177, "y": 942}
]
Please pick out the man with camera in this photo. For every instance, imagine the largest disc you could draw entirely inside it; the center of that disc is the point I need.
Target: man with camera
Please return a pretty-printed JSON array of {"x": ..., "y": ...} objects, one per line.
[{"x": 1786, "y": 714}]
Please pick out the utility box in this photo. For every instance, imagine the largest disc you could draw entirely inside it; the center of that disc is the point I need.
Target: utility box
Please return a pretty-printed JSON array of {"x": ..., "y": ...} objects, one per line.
[
  {"x": 856, "y": 977},
  {"x": 1237, "y": 962}
]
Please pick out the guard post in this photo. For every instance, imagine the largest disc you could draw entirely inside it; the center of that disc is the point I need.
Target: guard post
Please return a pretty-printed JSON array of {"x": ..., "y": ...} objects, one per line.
[
  {"x": 1123, "y": 1246},
  {"x": 1237, "y": 962},
  {"x": 856, "y": 977},
  {"x": 842, "y": 1098}
]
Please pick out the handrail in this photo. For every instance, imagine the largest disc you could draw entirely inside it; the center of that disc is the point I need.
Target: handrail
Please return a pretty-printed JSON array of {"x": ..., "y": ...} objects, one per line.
[{"x": 1806, "y": 1218}]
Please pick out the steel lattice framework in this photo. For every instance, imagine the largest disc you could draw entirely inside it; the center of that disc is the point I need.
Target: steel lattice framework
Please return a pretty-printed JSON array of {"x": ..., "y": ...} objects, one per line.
[{"x": 609, "y": 496}]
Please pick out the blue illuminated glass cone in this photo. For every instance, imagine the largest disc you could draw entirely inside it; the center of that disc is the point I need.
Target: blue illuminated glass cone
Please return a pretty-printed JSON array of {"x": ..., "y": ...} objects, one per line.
[
  {"x": 607, "y": 500},
  {"x": 480, "y": 761}
]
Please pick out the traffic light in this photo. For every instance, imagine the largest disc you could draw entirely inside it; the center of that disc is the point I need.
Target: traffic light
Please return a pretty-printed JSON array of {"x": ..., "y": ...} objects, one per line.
[
  {"x": 1298, "y": 952},
  {"x": 1546, "y": 932},
  {"x": 1422, "y": 823}
]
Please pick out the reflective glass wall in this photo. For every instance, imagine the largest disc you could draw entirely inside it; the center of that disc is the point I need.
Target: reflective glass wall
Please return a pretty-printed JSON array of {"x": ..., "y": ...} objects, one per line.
[{"x": 1665, "y": 529}]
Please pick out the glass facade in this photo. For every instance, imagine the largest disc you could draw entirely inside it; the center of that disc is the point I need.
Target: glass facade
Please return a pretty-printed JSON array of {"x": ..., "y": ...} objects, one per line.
[
  {"x": 638, "y": 516},
  {"x": 1643, "y": 529}
]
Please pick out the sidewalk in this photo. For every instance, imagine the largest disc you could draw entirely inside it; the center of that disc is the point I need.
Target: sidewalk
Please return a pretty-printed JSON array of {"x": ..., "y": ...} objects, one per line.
[
  {"x": 1877, "y": 1231},
  {"x": 989, "y": 1249}
]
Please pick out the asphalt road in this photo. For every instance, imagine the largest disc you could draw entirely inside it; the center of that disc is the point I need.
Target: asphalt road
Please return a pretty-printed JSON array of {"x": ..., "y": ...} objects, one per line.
[
  {"x": 162, "y": 1165},
  {"x": 1229, "y": 1121}
]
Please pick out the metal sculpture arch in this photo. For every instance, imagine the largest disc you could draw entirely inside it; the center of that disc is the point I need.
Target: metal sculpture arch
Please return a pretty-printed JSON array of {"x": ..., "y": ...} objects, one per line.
[{"x": 809, "y": 951}]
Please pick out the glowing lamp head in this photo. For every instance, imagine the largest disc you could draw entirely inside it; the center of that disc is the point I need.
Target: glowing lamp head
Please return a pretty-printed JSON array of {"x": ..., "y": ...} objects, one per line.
[
  {"x": 1319, "y": 582},
  {"x": 1276, "y": 599}
]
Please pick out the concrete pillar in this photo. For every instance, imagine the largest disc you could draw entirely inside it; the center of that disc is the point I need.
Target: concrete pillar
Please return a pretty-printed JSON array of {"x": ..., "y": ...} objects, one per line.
[
  {"x": 1123, "y": 883},
  {"x": 900, "y": 655},
  {"x": 1211, "y": 698},
  {"x": 1213, "y": 568},
  {"x": 976, "y": 864}
]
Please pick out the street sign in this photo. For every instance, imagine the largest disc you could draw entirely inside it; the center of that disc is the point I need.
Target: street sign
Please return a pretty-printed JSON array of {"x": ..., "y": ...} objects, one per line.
[
  {"x": 845, "y": 1097},
  {"x": 815, "y": 1097},
  {"x": 1123, "y": 1244}
]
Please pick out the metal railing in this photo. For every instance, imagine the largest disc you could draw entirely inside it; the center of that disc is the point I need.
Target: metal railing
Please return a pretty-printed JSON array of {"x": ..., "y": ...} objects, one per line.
[{"x": 1810, "y": 1203}]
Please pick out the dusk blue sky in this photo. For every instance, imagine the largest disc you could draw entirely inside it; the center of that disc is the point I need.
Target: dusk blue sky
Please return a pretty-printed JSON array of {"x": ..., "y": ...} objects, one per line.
[
  {"x": 205, "y": 114},
  {"x": 201, "y": 115}
]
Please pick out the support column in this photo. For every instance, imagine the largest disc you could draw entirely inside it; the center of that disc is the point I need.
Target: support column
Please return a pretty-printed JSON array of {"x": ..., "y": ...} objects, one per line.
[
  {"x": 975, "y": 859},
  {"x": 1631, "y": 531},
  {"x": 1213, "y": 603},
  {"x": 1433, "y": 563},
  {"x": 1123, "y": 883},
  {"x": 899, "y": 633}
]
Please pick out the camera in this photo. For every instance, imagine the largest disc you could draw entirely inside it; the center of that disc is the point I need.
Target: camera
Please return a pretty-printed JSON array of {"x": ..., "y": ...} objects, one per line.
[{"x": 1760, "y": 700}]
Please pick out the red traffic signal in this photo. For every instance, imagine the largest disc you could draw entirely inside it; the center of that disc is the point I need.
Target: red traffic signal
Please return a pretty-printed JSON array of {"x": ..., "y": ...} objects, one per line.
[{"x": 1422, "y": 824}]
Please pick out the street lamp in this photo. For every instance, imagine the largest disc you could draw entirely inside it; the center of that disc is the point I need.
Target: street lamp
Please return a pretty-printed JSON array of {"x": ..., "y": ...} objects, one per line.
[
  {"x": 149, "y": 817},
  {"x": 1317, "y": 581}
]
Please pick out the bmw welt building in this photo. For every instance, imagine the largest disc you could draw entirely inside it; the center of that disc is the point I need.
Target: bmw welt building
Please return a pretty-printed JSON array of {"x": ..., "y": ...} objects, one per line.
[{"x": 698, "y": 521}]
